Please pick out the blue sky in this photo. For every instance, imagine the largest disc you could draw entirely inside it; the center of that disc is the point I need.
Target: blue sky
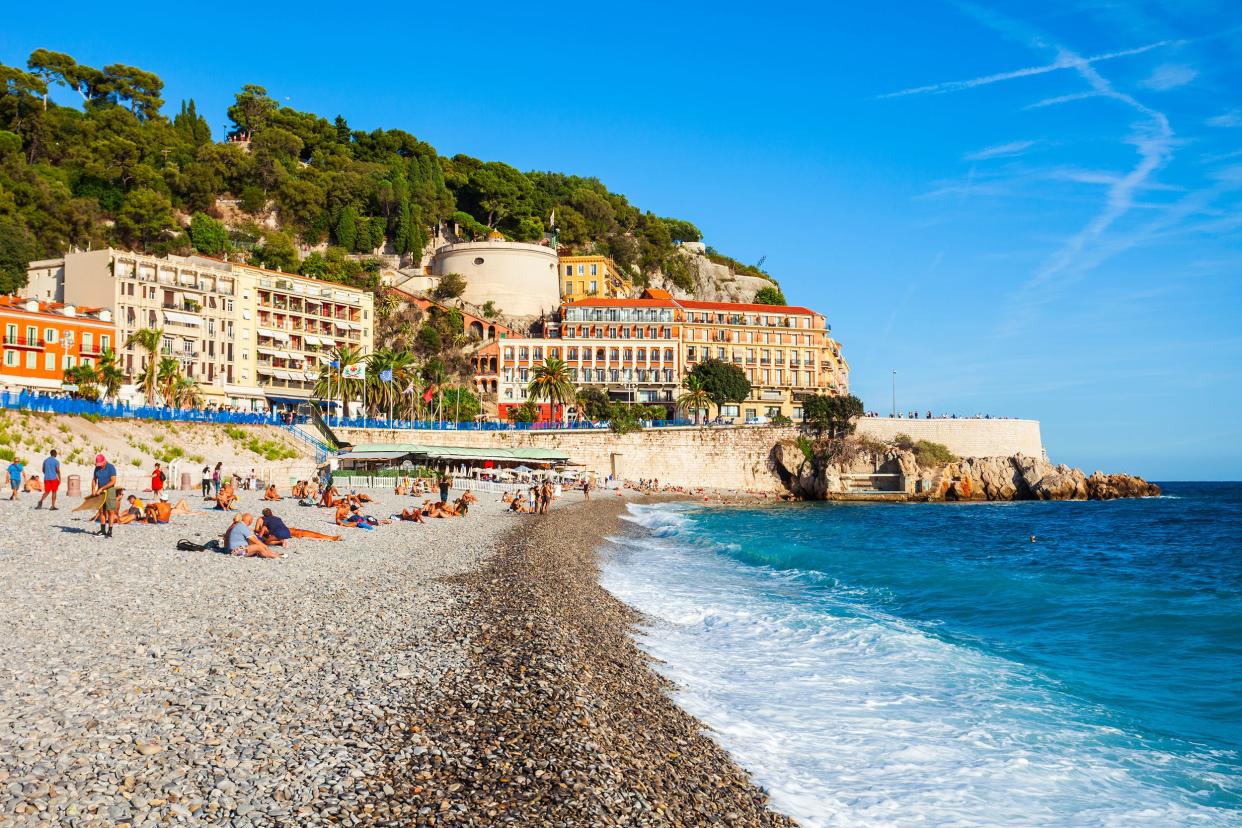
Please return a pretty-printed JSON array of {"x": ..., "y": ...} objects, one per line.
[{"x": 1025, "y": 209}]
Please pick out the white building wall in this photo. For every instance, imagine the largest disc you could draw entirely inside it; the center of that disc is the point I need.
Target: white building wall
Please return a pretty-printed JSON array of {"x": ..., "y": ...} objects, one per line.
[{"x": 519, "y": 279}]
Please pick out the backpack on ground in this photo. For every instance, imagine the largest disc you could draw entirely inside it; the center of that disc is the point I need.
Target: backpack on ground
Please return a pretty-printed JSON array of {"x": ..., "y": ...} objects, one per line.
[{"x": 184, "y": 545}]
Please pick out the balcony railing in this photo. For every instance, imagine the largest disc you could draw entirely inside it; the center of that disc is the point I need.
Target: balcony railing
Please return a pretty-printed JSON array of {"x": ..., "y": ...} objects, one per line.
[{"x": 23, "y": 342}]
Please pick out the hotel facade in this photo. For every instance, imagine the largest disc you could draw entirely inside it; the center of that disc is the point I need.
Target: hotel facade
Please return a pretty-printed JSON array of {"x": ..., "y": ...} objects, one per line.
[
  {"x": 252, "y": 338},
  {"x": 43, "y": 339},
  {"x": 640, "y": 350},
  {"x": 591, "y": 277}
]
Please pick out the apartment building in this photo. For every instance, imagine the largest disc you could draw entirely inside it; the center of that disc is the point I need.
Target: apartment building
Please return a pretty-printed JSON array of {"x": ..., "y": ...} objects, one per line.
[
  {"x": 584, "y": 277},
  {"x": 252, "y": 338},
  {"x": 787, "y": 352},
  {"x": 628, "y": 348},
  {"x": 42, "y": 339}
]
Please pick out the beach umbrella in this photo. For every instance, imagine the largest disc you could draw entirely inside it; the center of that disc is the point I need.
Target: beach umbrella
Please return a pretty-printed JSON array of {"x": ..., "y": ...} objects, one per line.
[{"x": 523, "y": 469}]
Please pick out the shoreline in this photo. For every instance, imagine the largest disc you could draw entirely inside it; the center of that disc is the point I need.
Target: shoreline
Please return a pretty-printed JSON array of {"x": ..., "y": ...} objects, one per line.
[{"x": 557, "y": 718}]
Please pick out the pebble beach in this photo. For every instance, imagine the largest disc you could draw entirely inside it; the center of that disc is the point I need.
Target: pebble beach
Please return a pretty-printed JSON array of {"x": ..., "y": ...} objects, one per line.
[{"x": 464, "y": 672}]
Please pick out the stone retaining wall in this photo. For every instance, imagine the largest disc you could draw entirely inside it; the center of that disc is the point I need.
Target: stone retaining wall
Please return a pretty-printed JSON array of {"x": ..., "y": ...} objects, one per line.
[{"x": 735, "y": 458}]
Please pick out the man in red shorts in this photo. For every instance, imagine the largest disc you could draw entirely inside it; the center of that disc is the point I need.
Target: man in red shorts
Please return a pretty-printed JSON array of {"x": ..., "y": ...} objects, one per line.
[{"x": 51, "y": 479}]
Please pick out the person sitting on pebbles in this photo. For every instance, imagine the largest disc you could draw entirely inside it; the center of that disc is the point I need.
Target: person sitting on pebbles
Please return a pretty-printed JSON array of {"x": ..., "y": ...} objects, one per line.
[
  {"x": 299, "y": 490},
  {"x": 161, "y": 511},
  {"x": 133, "y": 510},
  {"x": 226, "y": 500},
  {"x": 241, "y": 541},
  {"x": 468, "y": 497},
  {"x": 33, "y": 484},
  {"x": 271, "y": 493},
  {"x": 330, "y": 498}
]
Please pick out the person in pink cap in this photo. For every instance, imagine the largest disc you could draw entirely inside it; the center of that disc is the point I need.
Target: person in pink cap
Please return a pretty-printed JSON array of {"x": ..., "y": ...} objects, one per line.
[{"x": 104, "y": 482}]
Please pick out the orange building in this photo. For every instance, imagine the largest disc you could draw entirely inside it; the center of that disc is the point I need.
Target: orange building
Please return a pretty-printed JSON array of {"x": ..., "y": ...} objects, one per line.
[{"x": 42, "y": 339}]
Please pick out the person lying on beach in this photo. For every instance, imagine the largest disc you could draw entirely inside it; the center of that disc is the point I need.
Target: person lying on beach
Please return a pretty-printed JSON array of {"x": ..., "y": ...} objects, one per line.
[
  {"x": 273, "y": 531},
  {"x": 411, "y": 513},
  {"x": 241, "y": 541},
  {"x": 400, "y": 489},
  {"x": 359, "y": 497},
  {"x": 352, "y": 516},
  {"x": 271, "y": 493},
  {"x": 33, "y": 484}
]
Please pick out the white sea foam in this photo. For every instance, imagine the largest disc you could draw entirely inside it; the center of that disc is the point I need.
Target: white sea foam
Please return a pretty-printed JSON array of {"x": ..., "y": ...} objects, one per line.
[{"x": 851, "y": 717}]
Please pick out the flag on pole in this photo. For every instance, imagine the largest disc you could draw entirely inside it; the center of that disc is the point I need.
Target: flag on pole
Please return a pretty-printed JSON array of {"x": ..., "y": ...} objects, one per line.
[
  {"x": 335, "y": 364},
  {"x": 429, "y": 393},
  {"x": 356, "y": 371},
  {"x": 386, "y": 375}
]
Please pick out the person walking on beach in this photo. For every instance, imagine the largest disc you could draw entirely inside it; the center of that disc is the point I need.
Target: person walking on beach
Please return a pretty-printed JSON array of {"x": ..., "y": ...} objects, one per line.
[
  {"x": 104, "y": 482},
  {"x": 445, "y": 483},
  {"x": 217, "y": 477},
  {"x": 15, "y": 477},
  {"x": 51, "y": 480},
  {"x": 158, "y": 478},
  {"x": 206, "y": 482}
]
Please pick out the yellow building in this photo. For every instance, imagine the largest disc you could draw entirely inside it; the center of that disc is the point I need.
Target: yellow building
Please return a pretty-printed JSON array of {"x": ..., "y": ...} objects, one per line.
[
  {"x": 592, "y": 277},
  {"x": 787, "y": 352}
]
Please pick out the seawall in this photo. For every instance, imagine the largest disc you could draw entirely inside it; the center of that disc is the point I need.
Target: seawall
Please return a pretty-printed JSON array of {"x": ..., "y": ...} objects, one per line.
[
  {"x": 730, "y": 457},
  {"x": 965, "y": 438}
]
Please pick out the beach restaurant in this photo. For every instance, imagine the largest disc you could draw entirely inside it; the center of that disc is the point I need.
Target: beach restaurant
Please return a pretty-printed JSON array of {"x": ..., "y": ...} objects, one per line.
[{"x": 370, "y": 458}]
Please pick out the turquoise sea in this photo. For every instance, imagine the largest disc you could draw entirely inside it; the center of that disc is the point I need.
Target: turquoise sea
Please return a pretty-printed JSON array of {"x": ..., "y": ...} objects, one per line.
[{"x": 879, "y": 664}]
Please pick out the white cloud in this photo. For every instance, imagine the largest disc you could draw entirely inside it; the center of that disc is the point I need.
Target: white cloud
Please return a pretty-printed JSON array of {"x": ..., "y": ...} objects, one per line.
[
  {"x": 1001, "y": 150},
  {"x": 1168, "y": 76},
  {"x": 1063, "y": 61},
  {"x": 1232, "y": 118}
]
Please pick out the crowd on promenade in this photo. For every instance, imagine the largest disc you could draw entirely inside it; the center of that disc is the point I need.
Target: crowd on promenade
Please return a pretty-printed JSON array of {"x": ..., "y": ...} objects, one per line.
[{"x": 915, "y": 415}]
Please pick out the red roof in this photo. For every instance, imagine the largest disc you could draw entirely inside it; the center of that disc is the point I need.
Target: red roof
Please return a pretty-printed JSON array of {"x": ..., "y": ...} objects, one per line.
[
  {"x": 736, "y": 307},
  {"x": 609, "y": 302}
]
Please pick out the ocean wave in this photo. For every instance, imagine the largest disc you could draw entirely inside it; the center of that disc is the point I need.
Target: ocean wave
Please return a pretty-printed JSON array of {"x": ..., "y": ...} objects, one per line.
[{"x": 853, "y": 716}]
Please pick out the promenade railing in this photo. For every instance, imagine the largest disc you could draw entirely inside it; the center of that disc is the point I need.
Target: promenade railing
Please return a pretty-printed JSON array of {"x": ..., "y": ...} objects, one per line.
[
  {"x": 87, "y": 408},
  {"x": 449, "y": 425}
]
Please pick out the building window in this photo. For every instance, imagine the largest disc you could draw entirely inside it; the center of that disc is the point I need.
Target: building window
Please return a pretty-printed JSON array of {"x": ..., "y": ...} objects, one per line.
[
  {"x": 569, "y": 271},
  {"x": 572, "y": 353},
  {"x": 10, "y": 358},
  {"x": 581, "y": 270},
  {"x": 49, "y": 334},
  {"x": 105, "y": 342},
  {"x": 569, "y": 288},
  {"x": 594, "y": 270},
  {"x": 49, "y": 361},
  {"x": 69, "y": 361},
  {"x": 594, "y": 287},
  {"x": 32, "y": 359}
]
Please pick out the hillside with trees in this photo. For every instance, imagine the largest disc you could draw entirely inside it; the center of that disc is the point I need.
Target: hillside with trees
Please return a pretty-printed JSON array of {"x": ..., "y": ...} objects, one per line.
[{"x": 115, "y": 169}]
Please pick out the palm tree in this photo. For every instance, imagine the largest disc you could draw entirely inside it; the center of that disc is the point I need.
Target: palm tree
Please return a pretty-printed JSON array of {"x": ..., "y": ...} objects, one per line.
[
  {"x": 332, "y": 383},
  {"x": 550, "y": 381},
  {"x": 185, "y": 393},
  {"x": 382, "y": 396},
  {"x": 696, "y": 397},
  {"x": 86, "y": 379},
  {"x": 168, "y": 374},
  {"x": 148, "y": 339},
  {"x": 110, "y": 376}
]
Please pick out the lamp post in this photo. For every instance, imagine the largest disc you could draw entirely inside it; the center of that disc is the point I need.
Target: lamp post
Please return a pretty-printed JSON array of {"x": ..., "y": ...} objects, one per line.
[{"x": 893, "y": 413}]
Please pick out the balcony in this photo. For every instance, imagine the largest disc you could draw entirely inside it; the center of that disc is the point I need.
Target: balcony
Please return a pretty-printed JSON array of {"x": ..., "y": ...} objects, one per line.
[{"x": 23, "y": 342}]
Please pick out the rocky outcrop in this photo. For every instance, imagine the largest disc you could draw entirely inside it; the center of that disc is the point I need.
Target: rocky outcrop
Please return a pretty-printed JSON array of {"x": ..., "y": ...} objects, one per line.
[
  {"x": 712, "y": 282},
  {"x": 834, "y": 472}
]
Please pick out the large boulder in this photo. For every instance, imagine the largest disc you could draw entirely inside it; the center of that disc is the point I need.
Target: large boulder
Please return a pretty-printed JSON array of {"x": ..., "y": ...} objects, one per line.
[
  {"x": 1101, "y": 486},
  {"x": 1063, "y": 483}
]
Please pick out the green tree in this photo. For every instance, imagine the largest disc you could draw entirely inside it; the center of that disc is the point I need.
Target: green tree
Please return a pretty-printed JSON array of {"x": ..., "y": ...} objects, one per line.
[
  {"x": 695, "y": 398},
  {"x": 208, "y": 235},
  {"x": 111, "y": 378},
  {"x": 144, "y": 218},
  {"x": 550, "y": 381},
  {"x": 277, "y": 252},
  {"x": 149, "y": 340},
  {"x": 86, "y": 380},
  {"x": 723, "y": 382},
  {"x": 832, "y": 415},
  {"x": 456, "y": 403},
  {"x": 527, "y": 412},
  {"x": 593, "y": 403},
  {"x": 17, "y": 250},
  {"x": 251, "y": 110},
  {"x": 450, "y": 286},
  {"x": 769, "y": 295}
]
